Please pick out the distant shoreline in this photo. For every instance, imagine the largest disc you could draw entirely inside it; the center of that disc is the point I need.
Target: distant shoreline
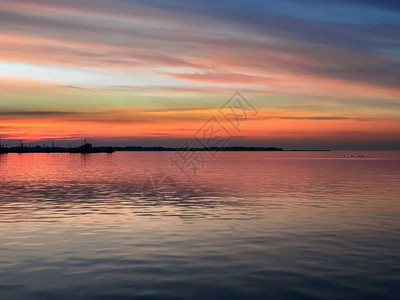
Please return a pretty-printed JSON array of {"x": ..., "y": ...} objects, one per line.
[{"x": 142, "y": 149}]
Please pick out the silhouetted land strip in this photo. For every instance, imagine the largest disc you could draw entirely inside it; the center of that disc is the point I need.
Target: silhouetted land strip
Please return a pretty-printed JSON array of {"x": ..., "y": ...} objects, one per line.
[
  {"x": 88, "y": 148},
  {"x": 139, "y": 148}
]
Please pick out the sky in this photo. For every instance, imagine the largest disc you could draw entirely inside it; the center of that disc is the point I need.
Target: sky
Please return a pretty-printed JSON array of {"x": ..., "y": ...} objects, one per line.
[{"x": 320, "y": 74}]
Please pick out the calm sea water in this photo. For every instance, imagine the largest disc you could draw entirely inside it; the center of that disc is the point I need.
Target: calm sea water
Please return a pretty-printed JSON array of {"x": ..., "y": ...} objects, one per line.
[{"x": 289, "y": 225}]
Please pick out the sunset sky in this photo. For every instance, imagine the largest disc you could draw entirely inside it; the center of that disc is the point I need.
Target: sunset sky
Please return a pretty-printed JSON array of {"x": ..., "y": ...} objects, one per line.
[{"x": 321, "y": 74}]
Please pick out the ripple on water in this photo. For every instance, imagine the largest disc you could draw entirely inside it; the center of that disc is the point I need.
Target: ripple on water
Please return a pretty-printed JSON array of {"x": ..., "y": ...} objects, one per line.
[{"x": 276, "y": 225}]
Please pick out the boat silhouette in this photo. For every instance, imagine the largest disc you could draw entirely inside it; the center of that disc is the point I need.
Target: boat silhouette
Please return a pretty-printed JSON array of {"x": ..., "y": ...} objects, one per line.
[{"x": 88, "y": 148}]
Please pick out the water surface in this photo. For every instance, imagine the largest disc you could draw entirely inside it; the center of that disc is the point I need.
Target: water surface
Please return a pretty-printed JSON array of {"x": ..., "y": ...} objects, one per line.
[{"x": 285, "y": 225}]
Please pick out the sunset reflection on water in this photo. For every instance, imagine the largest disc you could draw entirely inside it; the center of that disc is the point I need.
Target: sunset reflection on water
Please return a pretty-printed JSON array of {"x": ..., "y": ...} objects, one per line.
[{"x": 254, "y": 224}]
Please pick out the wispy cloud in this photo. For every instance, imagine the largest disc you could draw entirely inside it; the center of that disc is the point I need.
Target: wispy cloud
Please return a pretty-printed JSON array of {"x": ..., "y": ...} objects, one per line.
[{"x": 169, "y": 63}]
